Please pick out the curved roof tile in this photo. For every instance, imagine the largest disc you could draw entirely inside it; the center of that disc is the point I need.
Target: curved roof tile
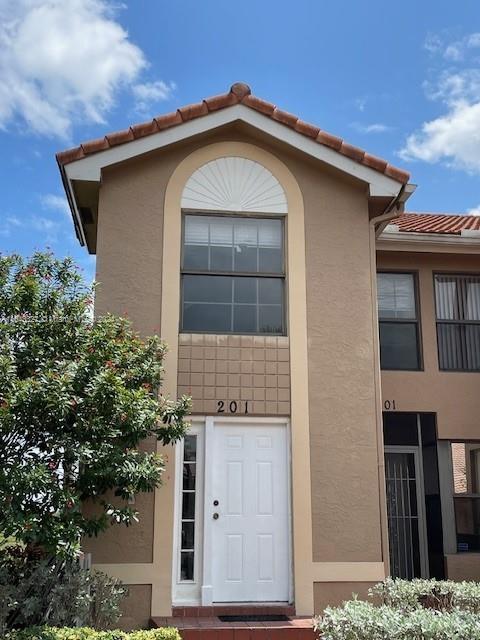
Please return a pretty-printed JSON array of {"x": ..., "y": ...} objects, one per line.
[
  {"x": 240, "y": 93},
  {"x": 442, "y": 223}
]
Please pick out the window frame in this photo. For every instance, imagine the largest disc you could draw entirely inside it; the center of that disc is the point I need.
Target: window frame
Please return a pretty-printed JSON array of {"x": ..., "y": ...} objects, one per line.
[
  {"x": 188, "y": 588},
  {"x": 447, "y": 273},
  {"x": 235, "y": 274},
  {"x": 417, "y": 322},
  {"x": 466, "y": 495}
]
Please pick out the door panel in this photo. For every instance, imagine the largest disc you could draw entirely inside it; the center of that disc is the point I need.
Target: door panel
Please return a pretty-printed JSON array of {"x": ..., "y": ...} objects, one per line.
[{"x": 251, "y": 552}]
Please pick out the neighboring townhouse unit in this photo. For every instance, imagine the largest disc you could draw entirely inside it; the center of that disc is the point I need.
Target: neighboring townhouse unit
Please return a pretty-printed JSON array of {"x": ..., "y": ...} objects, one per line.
[{"x": 331, "y": 444}]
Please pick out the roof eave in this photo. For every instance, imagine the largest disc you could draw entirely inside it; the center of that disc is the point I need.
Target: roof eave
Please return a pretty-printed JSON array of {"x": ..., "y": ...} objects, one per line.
[
  {"x": 427, "y": 242},
  {"x": 90, "y": 167},
  {"x": 77, "y": 221}
]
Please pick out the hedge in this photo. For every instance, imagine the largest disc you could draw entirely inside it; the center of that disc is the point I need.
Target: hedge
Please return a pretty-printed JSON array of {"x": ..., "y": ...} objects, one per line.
[
  {"x": 358, "y": 620},
  {"x": 85, "y": 633},
  {"x": 442, "y": 595}
]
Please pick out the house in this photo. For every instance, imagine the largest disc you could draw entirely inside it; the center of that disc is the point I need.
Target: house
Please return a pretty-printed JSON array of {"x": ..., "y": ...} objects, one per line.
[{"x": 331, "y": 444}]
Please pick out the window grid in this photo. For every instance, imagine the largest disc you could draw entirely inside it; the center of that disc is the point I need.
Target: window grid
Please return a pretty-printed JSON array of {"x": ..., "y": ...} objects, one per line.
[
  {"x": 457, "y": 306},
  {"x": 402, "y": 321},
  {"x": 277, "y": 327},
  {"x": 233, "y": 303},
  {"x": 188, "y": 506}
]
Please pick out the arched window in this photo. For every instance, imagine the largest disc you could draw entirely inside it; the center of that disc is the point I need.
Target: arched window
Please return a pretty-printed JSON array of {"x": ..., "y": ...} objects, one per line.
[{"x": 233, "y": 250}]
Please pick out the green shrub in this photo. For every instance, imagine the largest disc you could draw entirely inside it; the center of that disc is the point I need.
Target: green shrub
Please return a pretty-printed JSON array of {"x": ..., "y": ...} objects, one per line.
[
  {"x": 357, "y": 620},
  {"x": 35, "y": 590},
  {"x": 86, "y": 633},
  {"x": 441, "y": 595}
]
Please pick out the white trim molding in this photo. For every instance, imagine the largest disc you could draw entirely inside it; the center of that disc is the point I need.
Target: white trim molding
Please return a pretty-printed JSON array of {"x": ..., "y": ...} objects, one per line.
[
  {"x": 297, "y": 314},
  {"x": 129, "y": 572},
  {"x": 234, "y": 184},
  {"x": 348, "y": 571},
  {"x": 393, "y": 240},
  {"x": 90, "y": 167},
  {"x": 188, "y": 592}
]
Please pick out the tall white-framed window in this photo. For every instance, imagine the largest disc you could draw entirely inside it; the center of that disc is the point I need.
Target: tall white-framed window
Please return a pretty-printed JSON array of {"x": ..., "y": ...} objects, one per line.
[{"x": 188, "y": 533}]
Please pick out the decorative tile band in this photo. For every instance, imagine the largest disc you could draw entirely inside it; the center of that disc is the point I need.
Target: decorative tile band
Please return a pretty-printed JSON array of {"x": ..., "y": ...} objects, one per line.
[{"x": 235, "y": 375}]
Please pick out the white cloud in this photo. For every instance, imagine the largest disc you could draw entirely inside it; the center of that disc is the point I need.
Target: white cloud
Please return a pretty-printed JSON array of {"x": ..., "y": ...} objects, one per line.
[
  {"x": 457, "y": 51},
  {"x": 474, "y": 212},
  {"x": 9, "y": 224},
  {"x": 473, "y": 40},
  {"x": 14, "y": 221},
  {"x": 376, "y": 127},
  {"x": 454, "y": 136},
  {"x": 149, "y": 93},
  {"x": 55, "y": 203},
  {"x": 61, "y": 61},
  {"x": 361, "y": 103},
  {"x": 454, "y": 86},
  {"x": 41, "y": 223},
  {"x": 48, "y": 230},
  {"x": 433, "y": 43},
  {"x": 453, "y": 52}
]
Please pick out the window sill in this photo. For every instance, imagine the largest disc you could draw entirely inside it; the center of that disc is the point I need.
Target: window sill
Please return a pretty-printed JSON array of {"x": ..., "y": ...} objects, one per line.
[{"x": 404, "y": 370}]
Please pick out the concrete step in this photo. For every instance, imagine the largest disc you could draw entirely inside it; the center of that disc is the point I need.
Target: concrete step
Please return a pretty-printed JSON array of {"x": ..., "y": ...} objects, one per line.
[
  {"x": 232, "y": 609},
  {"x": 212, "y": 628}
]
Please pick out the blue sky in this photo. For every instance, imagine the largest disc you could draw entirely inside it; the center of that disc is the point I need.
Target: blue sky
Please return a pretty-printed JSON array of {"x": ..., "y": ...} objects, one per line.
[{"x": 401, "y": 80}]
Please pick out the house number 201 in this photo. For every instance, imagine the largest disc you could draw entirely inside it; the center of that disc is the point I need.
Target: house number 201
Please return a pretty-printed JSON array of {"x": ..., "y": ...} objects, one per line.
[{"x": 232, "y": 407}]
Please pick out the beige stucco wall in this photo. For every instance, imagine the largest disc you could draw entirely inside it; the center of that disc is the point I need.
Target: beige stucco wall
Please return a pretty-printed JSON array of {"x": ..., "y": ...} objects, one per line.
[
  {"x": 453, "y": 396},
  {"x": 125, "y": 544},
  {"x": 136, "y": 608},
  {"x": 463, "y": 566},
  {"x": 345, "y": 486},
  {"x": 346, "y": 500},
  {"x": 333, "y": 594}
]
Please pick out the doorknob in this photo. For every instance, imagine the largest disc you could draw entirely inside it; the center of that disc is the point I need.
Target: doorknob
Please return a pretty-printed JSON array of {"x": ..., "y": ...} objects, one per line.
[
  {"x": 215, "y": 516},
  {"x": 215, "y": 503}
]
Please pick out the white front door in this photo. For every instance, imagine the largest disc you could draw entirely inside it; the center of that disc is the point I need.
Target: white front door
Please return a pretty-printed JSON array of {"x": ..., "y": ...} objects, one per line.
[{"x": 250, "y": 514}]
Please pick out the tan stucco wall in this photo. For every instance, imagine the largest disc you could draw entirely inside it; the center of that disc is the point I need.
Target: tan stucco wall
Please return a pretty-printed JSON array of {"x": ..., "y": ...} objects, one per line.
[
  {"x": 333, "y": 594},
  {"x": 136, "y": 608},
  {"x": 129, "y": 246},
  {"x": 453, "y": 396},
  {"x": 463, "y": 566},
  {"x": 344, "y": 460},
  {"x": 346, "y": 499},
  {"x": 120, "y": 543},
  {"x": 128, "y": 270},
  {"x": 125, "y": 544}
]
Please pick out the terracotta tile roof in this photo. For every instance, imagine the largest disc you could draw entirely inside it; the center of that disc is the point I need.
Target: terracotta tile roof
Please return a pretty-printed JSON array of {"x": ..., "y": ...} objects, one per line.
[
  {"x": 239, "y": 93},
  {"x": 443, "y": 223}
]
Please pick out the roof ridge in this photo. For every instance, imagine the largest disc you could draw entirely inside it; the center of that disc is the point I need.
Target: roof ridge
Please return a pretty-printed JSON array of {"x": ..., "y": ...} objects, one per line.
[
  {"x": 240, "y": 93},
  {"x": 439, "y": 213}
]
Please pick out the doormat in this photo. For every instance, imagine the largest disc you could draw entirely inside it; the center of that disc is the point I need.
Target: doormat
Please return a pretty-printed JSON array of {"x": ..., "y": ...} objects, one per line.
[{"x": 275, "y": 617}]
